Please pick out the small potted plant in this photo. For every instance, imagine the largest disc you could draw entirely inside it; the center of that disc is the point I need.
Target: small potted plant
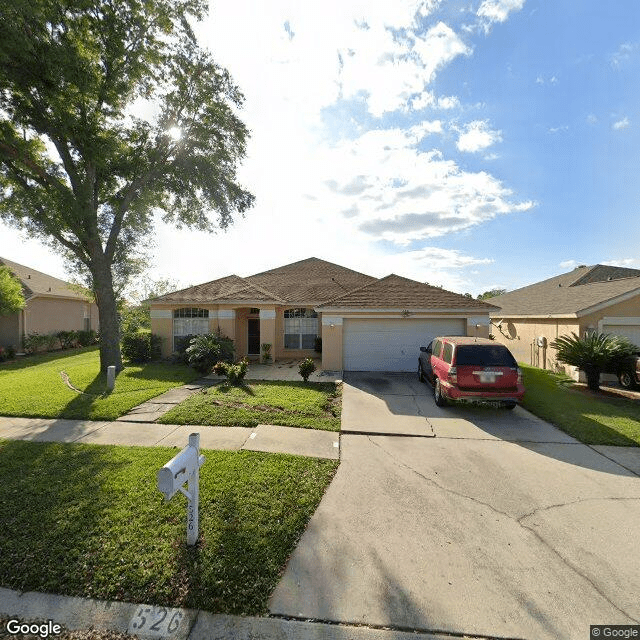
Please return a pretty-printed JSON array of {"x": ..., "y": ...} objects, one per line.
[{"x": 266, "y": 352}]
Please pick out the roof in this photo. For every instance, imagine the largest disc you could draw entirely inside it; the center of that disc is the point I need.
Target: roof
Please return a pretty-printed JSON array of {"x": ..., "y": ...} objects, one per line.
[
  {"x": 571, "y": 293},
  {"x": 228, "y": 288},
  {"x": 396, "y": 292},
  {"x": 309, "y": 282},
  {"x": 38, "y": 283}
]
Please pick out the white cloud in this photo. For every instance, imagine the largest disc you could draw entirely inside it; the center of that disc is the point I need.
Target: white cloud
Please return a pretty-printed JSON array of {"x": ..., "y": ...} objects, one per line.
[
  {"x": 559, "y": 129},
  {"x": 592, "y": 119},
  {"x": 476, "y": 136},
  {"x": 623, "y": 123},
  {"x": 405, "y": 194},
  {"x": 632, "y": 263},
  {"x": 568, "y": 264},
  {"x": 448, "y": 102},
  {"x": 492, "y": 11},
  {"x": 622, "y": 54}
]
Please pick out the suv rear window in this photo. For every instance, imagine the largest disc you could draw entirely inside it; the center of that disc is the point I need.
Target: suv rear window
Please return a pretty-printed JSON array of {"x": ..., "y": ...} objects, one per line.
[
  {"x": 447, "y": 353},
  {"x": 486, "y": 355}
]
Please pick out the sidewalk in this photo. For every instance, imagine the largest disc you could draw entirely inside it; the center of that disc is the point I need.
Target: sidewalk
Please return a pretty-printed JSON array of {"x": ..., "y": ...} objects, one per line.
[{"x": 269, "y": 438}]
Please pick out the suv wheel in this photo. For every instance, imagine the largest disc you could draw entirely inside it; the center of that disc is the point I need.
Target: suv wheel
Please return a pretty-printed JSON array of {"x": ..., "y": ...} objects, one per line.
[
  {"x": 626, "y": 380},
  {"x": 420, "y": 373},
  {"x": 509, "y": 405},
  {"x": 440, "y": 400}
]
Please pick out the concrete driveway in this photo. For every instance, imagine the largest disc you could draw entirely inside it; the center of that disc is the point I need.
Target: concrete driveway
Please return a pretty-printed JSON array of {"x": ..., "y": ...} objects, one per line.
[{"x": 468, "y": 521}]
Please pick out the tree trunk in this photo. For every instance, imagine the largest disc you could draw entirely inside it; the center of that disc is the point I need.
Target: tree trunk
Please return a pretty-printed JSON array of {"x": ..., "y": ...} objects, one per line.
[
  {"x": 593, "y": 378},
  {"x": 108, "y": 315}
]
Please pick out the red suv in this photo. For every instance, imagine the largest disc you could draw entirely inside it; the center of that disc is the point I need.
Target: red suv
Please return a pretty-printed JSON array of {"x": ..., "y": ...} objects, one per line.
[{"x": 471, "y": 370}]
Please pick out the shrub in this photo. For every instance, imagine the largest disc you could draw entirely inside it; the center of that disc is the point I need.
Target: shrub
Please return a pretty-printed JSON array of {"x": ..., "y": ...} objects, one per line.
[
  {"x": 10, "y": 352},
  {"x": 141, "y": 346},
  {"x": 220, "y": 368},
  {"x": 306, "y": 368},
  {"x": 205, "y": 350},
  {"x": 32, "y": 342},
  {"x": 66, "y": 338},
  {"x": 237, "y": 372},
  {"x": 593, "y": 354},
  {"x": 3, "y": 354},
  {"x": 266, "y": 352},
  {"x": 86, "y": 338},
  {"x": 50, "y": 342}
]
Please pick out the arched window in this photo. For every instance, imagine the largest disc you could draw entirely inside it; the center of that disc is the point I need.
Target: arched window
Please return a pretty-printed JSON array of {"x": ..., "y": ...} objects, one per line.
[
  {"x": 189, "y": 321},
  {"x": 300, "y": 328}
]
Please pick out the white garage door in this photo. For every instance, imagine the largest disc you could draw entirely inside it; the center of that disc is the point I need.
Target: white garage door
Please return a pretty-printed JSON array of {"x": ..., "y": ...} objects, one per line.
[
  {"x": 631, "y": 331},
  {"x": 392, "y": 344}
]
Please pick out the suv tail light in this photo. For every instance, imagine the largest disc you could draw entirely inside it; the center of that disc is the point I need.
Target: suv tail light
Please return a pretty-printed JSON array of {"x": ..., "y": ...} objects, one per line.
[
  {"x": 453, "y": 375},
  {"x": 519, "y": 370}
]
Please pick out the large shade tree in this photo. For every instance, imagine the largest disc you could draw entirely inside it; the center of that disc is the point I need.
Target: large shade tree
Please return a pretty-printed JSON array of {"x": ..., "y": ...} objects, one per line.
[
  {"x": 11, "y": 294},
  {"x": 110, "y": 112}
]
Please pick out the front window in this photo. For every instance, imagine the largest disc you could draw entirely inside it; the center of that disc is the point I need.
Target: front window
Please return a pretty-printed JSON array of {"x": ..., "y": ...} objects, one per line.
[
  {"x": 189, "y": 321},
  {"x": 300, "y": 328}
]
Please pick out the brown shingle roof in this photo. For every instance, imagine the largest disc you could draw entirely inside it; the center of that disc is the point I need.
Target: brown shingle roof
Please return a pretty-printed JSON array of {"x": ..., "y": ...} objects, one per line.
[
  {"x": 307, "y": 282},
  {"x": 569, "y": 293},
  {"x": 228, "y": 288},
  {"x": 396, "y": 292},
  {"x": 38, "y": 283},
  {"x": 310, "y": 281}
]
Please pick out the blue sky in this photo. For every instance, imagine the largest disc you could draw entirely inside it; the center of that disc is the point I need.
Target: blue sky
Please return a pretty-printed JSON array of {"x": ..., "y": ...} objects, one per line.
[{"x": 478, "y": 144}]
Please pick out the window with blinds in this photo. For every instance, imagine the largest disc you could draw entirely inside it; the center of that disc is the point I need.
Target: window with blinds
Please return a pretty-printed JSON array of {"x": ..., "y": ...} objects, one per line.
[{"x": 300, "y": 328}]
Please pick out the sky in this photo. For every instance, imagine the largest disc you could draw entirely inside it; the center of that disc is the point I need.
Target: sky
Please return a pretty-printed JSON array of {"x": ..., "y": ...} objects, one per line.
[{"x": 472, "y": 145}]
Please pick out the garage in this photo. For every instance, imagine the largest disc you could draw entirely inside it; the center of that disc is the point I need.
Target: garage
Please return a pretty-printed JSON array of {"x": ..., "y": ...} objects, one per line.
[
  {"x": 392, "y": 344},
  {"x": 626, "y": 327}
]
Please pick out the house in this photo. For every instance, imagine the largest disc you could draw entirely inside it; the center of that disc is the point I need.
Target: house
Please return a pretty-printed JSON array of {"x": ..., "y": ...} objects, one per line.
[
  {"x": 51, "y": 305},
  {"x": 590, "y": 298},
  {"x": 365, "y": 323}
]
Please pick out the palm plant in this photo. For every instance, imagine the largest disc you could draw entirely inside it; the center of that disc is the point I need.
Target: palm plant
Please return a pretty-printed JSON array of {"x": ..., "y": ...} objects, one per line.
[{"x": 593, "y": 354}]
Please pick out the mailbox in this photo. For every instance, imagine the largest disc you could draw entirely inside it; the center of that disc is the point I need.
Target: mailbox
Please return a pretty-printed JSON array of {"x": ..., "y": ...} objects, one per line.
[
  {"x": 177, "y": 471},
  {"x": 185, "y": 467}
]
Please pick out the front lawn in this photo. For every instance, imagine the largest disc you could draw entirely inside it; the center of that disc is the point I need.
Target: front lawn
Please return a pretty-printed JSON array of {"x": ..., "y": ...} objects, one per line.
[
  {"x": 314, "y": 405},
  {"x": 88, "y": 520},
  {"x": 33, "y": 387},
  {"x": 591, "y": 420}
]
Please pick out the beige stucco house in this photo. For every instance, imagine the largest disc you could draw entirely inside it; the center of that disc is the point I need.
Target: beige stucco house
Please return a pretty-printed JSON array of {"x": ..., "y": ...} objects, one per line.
[
  {"x": 365, "y": 323},
  {"x": 590, "y": 298},
  {"x": 51, "y": 305}
]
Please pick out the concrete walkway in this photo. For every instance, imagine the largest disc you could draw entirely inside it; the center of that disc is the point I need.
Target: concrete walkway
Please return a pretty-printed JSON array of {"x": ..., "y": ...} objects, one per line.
[{"x": 270, "y": 438}]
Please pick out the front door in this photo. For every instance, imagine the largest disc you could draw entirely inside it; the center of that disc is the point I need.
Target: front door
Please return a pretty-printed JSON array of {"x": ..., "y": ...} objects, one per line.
[{"x": 253, "y": 336}]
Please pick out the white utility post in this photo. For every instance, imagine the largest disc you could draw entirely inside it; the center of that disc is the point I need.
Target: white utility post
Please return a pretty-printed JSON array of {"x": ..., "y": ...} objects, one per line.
[
  {"x": 185, "y": 467},
  {"x": 111, "y": 377}
]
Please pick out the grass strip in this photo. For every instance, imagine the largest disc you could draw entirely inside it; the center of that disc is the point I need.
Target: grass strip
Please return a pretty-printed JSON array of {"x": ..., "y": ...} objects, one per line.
[
  {"x": 602, "y": 420},
  {"x": 88, "y": 520}
]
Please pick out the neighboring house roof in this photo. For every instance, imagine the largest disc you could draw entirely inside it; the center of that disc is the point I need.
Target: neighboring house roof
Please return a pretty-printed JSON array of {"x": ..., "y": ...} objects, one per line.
[
  {"x": 309, "y": 281},
  {"x": 570, "y": 294},
  {"x": 396, "y": 292},
  {"x": 38, "y": 283}
]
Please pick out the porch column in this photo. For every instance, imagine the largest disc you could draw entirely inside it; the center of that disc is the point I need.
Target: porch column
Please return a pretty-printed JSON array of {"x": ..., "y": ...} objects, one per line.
[
  {"x": 331, "y": 343},
  {"x": 268, "y": 330}
]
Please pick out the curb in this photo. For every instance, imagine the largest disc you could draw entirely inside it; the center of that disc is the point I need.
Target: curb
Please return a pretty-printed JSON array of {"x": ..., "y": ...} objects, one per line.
[{"x": 150, "y": 621}]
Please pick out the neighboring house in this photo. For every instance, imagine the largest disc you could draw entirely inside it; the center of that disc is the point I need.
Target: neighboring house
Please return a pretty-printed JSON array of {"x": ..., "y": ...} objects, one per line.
[
  {"x": 51, "y": 305},
  {"x": 597, "y": 298},
  {"x": 365, "y": 324}
]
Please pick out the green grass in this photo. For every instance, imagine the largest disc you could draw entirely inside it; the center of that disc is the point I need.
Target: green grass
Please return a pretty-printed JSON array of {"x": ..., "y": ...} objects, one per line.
[
  {"x": 33, "y": 387},
  {"x": 87, "y": 520},
  {"x": 314, "y": 405},
  {"x": 604, "y": 420}
]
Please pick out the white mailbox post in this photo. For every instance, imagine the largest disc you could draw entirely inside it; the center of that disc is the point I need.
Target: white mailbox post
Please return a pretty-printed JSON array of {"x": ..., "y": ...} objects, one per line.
[{"x": 185, "y": 467}]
